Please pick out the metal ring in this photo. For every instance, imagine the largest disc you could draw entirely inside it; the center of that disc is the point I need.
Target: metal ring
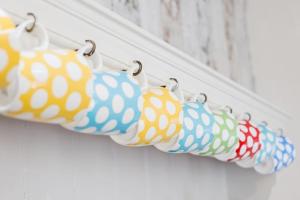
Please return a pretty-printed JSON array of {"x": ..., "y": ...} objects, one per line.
[
  {"x": 92, "y": 51},
  {"x": 249, "y": 116},
  {"x": 176, "y": 85},
  {"x": 280, "y": 131},
  {"x": 30, "y": 29},
  {"x": 205, "y": 98},
  {"x": 139, "y": 69},
  {"x": 230, "y": 109}
]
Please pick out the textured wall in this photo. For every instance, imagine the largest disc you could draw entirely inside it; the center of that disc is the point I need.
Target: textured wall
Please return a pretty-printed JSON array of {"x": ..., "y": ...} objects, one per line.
[{"x": 214, "y": 32}]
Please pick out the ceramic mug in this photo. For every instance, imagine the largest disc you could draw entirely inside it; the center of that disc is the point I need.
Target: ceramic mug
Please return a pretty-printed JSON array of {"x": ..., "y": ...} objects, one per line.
[
  {"x": 197, "y": 129},
  {"x": 268, "y": 144},
  {"x": 5, "y": 21},
  {"x": 248, "y": 144},
  {"x": 117, "y": 103},
  {"x": 54, "y": 86},
  {"x": 11, "y": 44},
  {"x": 225, "y": 134},
  {"x": 283, "y": 156},
  {"x": 160, "y": 121}
]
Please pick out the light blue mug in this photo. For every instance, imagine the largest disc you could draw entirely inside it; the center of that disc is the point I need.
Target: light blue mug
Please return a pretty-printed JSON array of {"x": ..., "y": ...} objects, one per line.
[
  {"x": 197, "y": 129},
  {"x": 282, "y": 157},
  {"x": 116, "y": 105}
]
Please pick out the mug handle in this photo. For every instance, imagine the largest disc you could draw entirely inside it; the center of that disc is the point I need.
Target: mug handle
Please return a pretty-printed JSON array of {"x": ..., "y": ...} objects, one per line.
[
  {"x": 141, "y": 76},
  {"x": 173, "y": 86},
  {"x": 39, "y": 30},
  {"x": 202, "y": 98},
  {"x": 95, "y": 60}
]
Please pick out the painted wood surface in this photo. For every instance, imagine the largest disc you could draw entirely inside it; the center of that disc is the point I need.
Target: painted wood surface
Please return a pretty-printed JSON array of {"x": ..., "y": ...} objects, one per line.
[
  {"x": 40, "y": 161},
  {"x": 214, "y": 32}
]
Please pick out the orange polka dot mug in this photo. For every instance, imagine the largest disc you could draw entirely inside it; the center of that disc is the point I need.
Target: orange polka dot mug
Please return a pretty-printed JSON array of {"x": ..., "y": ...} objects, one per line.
[
  {"x": 5, "y": 21},
  {"x": 54, "y": 86},
  {"x": 12, "y": 43},
  {"x": 161, "y": 118}
]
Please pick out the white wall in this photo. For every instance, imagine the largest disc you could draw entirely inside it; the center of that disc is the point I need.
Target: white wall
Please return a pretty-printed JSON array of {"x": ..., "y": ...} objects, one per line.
[
  {"x": 274, "y": 30},
  {"x": 43, "y": 162}
]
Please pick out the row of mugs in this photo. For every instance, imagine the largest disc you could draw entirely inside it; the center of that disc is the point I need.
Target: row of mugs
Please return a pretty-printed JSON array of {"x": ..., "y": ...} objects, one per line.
[{"x": 71, "y": 88}]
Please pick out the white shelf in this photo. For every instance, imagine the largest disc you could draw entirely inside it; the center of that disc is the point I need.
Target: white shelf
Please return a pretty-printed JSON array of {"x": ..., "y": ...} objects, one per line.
[{"x": 70, "y": 22}]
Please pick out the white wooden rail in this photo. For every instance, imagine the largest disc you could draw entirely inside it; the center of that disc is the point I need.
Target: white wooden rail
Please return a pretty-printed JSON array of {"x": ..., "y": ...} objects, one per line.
[{"x": 70, "y": 22}]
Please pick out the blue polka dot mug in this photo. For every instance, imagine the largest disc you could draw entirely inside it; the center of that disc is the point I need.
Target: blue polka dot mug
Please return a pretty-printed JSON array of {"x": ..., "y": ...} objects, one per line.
[
  {"x": 197, "y": 129},
  {"x": 116, "y": 104},
  {"x": 282, "y": 157}
]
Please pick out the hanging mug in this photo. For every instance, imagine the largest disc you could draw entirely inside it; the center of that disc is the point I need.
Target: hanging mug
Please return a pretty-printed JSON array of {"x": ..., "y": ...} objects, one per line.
[
  {"x": 54, "y": 86},
  {"x": 197, "y": 129},
  {"x": 282, "y": 157},
  {"x": 116, "y": 103},
  {"x": 5, "y": 21},
  {"x": 225, "y": 134},
  {"x": 248, "y": 142},
  {"x": 161, "y": 118},
  {"x": 11, "y": 45},
  {"x": 267, "y": 140}
]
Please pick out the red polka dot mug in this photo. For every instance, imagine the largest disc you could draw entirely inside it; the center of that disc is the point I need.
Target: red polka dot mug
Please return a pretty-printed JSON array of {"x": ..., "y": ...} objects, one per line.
[{"x": 248, "y": 142}]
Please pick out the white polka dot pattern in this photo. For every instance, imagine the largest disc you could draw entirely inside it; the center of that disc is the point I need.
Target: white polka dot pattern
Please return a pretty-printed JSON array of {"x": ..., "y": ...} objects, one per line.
[
  {"x": 248, "y": 144},
  {"x": 160, "y": 121},
  {"x": 197, "y": 130},
  {"x": 268, "y": 144},
  {"x": 115, "y": 105},
  {"x": 9, "y": 58},
  {"x": 48, "y": 91},
  {"x": 225, "y": 135},
  {"x": 284, "y": 154}
]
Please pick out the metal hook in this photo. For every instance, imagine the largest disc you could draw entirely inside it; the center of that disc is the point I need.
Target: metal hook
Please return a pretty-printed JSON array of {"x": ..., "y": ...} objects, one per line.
[
  {"x": 139, "y": 69},
  {"x": 175, "y": 87},
  {"x": 230, "y": 109},
  {"x": 30, "y": 29},
  {"x": 280, "y": 131},
  {"x": 93, "y": 49},
  {"x": 205, "y": 98},
  {"x": 249, "y": 116}
]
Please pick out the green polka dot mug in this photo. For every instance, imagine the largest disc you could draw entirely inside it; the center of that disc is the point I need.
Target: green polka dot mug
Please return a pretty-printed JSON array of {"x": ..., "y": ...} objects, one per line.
[
  {"x": 248, "y": 141},
  {"x": 53, "y": 86},
  {"x": 225, "y": 136}
]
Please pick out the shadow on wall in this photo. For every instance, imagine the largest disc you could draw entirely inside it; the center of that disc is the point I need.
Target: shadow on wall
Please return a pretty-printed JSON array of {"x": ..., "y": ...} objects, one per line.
[
  {"x": 247, "y": 184},
  {"x": 40, "y": 161}
]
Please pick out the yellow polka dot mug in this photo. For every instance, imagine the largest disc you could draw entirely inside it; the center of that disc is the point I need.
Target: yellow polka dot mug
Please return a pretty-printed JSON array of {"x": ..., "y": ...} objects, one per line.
[
  {"x": 161, "y": 118},
  {"x": 54, "y": 86},
  {"x": 12, "y": 43},
  {"x": 5, "y": 21}
]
